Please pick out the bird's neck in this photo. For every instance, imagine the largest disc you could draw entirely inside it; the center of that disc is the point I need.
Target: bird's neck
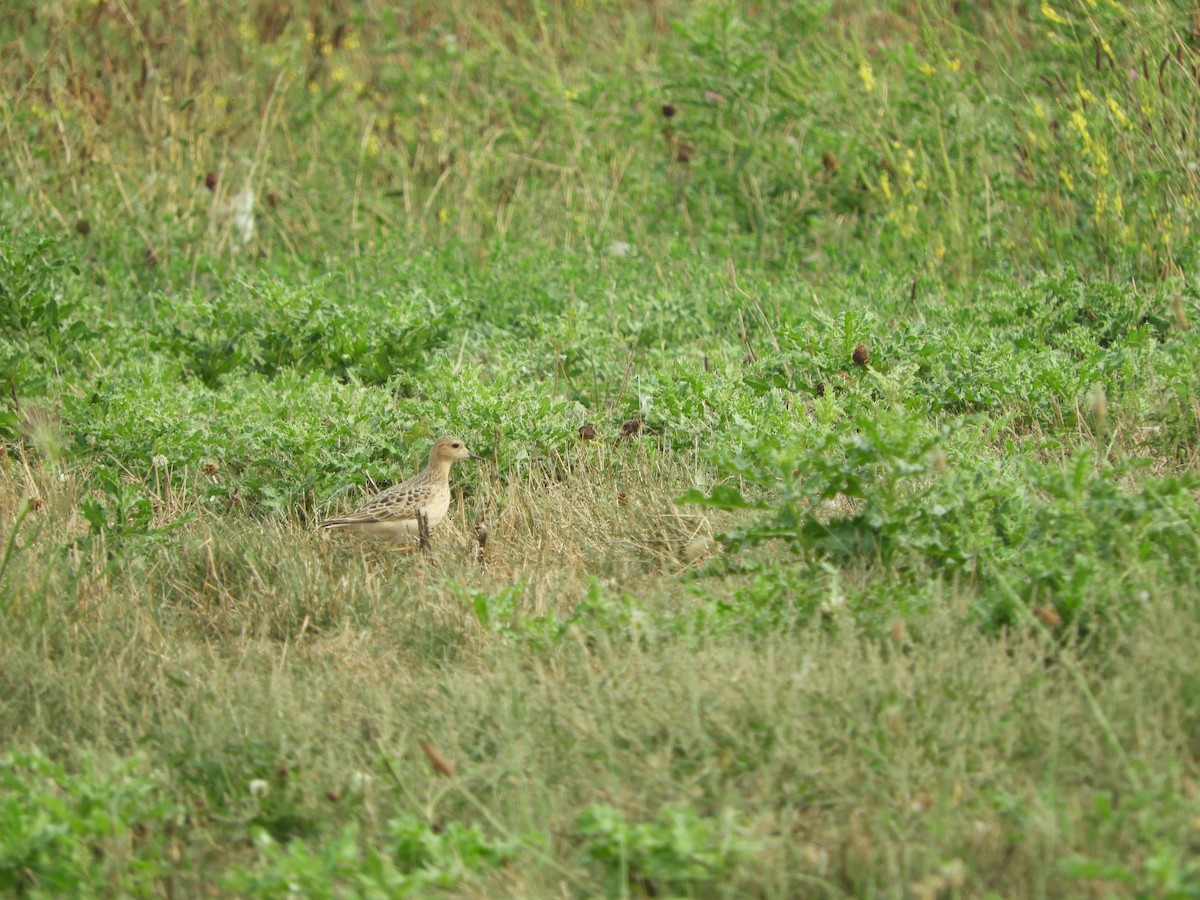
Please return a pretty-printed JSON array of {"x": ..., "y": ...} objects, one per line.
[{"x": 439, "y": 468}]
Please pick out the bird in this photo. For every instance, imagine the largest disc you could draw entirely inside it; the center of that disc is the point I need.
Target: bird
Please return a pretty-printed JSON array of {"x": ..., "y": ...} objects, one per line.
[{"x": 395, "y": 513}]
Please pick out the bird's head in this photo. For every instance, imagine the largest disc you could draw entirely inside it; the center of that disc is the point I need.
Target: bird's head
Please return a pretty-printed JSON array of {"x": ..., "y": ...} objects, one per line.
[{"x": 448, "y": 449}]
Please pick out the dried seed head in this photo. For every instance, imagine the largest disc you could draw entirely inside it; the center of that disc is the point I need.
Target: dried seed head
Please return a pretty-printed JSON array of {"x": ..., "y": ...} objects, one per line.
[
  {"x": 668, "y": 110},
  {"x": 211, "y": 469},
  {"x": 819, "y": 390},
  {"x": 1098, "y": 402},
  {"x": 697, "y": 547},
  {"x": 684, "y": 153},
  {"x": 862, "y": 356},
  {"x": 210, "y": 180},
  {"x": 272, "y": 199},
  {"x": 1180, "y": 313},
  {"x": 481, "y": 534},
  {"x": 84, "y": 227},
  {"x": 150, "y": 258},
  {"x": 587, "y": 432},
  {"x": 830, "y": 162},
  {"x": 622, "y": 496},
  {"x": 39, "y": 504},
  {"x": 631, "y": 427}
]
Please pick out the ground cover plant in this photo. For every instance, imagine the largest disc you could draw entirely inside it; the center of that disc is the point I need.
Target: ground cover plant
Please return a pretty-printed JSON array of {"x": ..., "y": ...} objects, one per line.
[{"x": 834, "y": 366}]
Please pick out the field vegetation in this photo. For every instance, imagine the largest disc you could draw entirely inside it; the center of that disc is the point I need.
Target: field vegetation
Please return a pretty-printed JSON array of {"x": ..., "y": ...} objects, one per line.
[{"x": 835, "y": 369}]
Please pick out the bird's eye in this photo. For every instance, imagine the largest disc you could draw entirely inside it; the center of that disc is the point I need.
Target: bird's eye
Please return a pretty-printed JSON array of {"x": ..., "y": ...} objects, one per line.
[{"x": 456, "y": 445}]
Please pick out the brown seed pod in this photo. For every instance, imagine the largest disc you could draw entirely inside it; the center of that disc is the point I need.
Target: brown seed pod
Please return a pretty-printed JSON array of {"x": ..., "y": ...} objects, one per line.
[
  {"x": 272, "y": 199},
  {"x": 1048, "y": 616},
  {"x": 211, "y": 469},
  {"x": 819, "y": 390},
  {"x": 210, "y": 179},
  {"x": 631, "y": 427},
  {"x": 684, "y": 153},
  {"x": 437, "y": 760},
  {"x": 668, "y": 110},
  {"x": 587, "y": 432},
  {"x": 862, "y": 356},
  {"x": 84, "y": 227},
  {"x": 830, "y": 162}
]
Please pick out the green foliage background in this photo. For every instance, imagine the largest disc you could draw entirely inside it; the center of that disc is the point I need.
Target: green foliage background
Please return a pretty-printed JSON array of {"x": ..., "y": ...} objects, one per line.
[{"x": 883, "y": 316}]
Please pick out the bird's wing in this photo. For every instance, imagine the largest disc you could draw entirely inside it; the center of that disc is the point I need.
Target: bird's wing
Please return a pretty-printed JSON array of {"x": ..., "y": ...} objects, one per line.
[{"x": 399, "y": 502}]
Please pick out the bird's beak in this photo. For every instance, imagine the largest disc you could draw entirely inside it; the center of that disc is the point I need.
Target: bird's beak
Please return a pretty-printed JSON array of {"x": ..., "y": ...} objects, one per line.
[{"x": 476, "y": 456}]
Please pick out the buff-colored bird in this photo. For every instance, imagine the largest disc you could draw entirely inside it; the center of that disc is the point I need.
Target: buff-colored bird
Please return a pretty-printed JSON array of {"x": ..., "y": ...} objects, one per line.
[{"x": 394, "y": 513}]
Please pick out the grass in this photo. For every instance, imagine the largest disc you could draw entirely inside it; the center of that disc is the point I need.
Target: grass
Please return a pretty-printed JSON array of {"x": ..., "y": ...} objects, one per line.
[{"x": 834, "y": 370}]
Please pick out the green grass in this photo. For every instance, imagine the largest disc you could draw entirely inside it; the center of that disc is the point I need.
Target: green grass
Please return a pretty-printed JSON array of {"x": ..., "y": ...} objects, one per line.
[{"x": 877, "y": 577}]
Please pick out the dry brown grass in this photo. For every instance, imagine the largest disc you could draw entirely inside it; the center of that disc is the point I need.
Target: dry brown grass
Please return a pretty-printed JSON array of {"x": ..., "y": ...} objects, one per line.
[{"x": 858, "y": 764}]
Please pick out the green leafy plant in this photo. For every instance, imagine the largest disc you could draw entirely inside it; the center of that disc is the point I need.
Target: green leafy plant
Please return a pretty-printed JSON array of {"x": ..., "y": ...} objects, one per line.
[
  {"x": 97, "y": 832},
  {"x": 679, "y": 851},
  {"x": 411, "y": 857},
  {"x": 266, "y": 326}
]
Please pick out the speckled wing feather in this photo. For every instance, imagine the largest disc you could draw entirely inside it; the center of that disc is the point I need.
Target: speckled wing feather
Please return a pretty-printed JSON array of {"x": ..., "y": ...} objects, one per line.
[{"x": 399, "y": 502}]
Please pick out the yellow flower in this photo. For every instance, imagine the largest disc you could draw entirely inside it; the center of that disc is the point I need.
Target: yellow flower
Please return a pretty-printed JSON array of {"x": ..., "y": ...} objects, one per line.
[
  {"x": 927, "y": 69},
  {"x": 247, "y": 31},
  {"x": 1039, "y": 110},
  {"x": 1084, "y": 94},
  {"x": 1118, "y": 113},
  {"x": 339, "y": 74},
  {"x": 1050, "y": 13},
  {"x": 1066, "y": 179},
  {"x": 351, "y": 41},
  {"x": 437, "y": 135},
  {"x": 885, "y": 186},
  {"x": 444, "y": 215},
  {"x": 372, "y": 146},
  {"x": 953, "y": 65},
  {"x": 570, "y": 94},
  {"x": 867, "y": 76},
  {"x": 1079, "y": 123}
]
